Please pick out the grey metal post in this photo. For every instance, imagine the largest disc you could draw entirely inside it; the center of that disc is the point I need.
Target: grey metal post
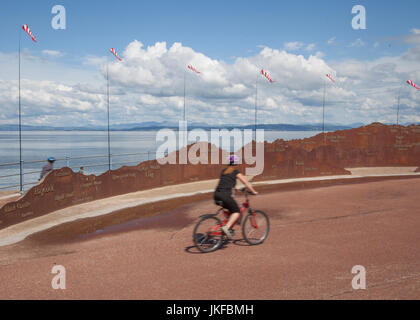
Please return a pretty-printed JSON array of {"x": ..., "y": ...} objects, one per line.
[
  {"x": 398, "y": 107},
  {"x": 67, "y": 162},
  {"x": 323, "y": 108},
  {"x": 20, "y": 125},
  {"x": 323, "y": 113},
  {"x": 22, "y": 177},
  {"x": 256, "y": 99},
  {"x": 185, "y": 73},
  {"x": 109, "y": 140}
]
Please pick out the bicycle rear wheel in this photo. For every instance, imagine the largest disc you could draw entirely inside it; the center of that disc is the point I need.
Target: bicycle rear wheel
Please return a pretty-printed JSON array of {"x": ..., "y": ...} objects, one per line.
[
  {"x": 206, "y": 236},
  {"x": 256, "y": 227}
]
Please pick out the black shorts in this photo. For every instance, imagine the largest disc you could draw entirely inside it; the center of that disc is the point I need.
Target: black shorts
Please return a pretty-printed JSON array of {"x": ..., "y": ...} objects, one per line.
[{"x": 228, "y": 202}]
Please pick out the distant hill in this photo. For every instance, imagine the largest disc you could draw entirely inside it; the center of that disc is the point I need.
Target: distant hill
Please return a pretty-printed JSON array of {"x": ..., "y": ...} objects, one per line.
[{"x": 153, "y": 126}]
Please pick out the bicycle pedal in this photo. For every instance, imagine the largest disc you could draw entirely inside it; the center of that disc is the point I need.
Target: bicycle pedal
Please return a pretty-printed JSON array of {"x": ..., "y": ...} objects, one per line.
[{"x": 232, "y": 234}]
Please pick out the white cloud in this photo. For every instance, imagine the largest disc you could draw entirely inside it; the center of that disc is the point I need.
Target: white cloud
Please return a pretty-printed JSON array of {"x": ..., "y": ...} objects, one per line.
[
  {"x": 358, "y": 43},
  {"x": 331, "y": 41},
  {"x": 294, "y": 46},
  {"x": 413, "y": 38},
  {"x": 52, "y": 53},
  {"x": 148, "y": 85},
  {"x": 310, "y": 47}
]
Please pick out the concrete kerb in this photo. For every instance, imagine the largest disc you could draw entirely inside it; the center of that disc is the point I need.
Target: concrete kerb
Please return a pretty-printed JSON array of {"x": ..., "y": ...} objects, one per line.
[{"x": 21, "y": 231}]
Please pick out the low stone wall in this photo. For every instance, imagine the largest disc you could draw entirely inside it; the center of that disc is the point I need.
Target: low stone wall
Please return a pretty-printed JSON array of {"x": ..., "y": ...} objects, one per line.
[
  {"x": 63, "y": 188},
  {"x": 369, "y": 146},
  {"x": 374, "y": 145}
]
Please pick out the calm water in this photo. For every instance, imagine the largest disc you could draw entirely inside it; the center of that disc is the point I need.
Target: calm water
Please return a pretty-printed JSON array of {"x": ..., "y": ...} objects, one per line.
[{"x": 40, "y": 145}]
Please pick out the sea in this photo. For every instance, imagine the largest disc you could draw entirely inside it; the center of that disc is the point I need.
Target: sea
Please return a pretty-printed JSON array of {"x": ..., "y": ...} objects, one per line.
[{"x": 85, "y": 148}]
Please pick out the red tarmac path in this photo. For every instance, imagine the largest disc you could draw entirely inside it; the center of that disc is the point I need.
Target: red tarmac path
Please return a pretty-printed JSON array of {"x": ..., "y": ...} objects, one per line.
[{"x": 317, "y": 236}]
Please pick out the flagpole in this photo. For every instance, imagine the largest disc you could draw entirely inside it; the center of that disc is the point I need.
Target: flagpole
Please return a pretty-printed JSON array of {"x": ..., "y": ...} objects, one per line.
[
  {"x": 20, "y": 123},
  {"x": 185, "y": 72},
  {"x": 109, "y": 140},
  {"x": 398, "y": 105},
  {"x": 323, "y": 111},
  {"x": 256, "y": 100}
]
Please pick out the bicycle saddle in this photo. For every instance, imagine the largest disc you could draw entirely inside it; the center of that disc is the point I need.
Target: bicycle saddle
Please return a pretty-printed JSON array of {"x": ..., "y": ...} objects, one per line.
[{"x": 219, "y": 203}]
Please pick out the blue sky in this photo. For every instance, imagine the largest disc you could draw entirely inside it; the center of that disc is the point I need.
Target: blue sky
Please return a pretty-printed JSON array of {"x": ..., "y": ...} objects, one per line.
[
  {"x": 297, "y": 41},
  {"x": 220, "y": 29}
]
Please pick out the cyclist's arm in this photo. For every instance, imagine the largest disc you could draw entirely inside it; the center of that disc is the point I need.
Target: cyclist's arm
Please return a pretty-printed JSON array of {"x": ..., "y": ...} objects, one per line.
[{"x": 246, "y": 183}]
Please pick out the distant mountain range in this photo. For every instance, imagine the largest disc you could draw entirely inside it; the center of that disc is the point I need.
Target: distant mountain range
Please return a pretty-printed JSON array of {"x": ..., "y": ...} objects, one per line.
[{"x": 152, "y": 126}]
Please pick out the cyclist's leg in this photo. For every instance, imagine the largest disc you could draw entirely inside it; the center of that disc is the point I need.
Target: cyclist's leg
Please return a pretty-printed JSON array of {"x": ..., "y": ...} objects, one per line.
[
  {"x": 232, "y": 219},
  {"x": 233, "y": 207}
]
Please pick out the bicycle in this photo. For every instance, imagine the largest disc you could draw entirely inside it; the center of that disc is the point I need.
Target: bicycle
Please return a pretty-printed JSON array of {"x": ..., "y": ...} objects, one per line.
[{"x": 208, "y": 236}]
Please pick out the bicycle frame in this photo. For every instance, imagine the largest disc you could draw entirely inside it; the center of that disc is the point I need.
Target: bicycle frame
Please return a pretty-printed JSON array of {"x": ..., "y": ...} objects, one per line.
[{"x": 216, "y": 230}]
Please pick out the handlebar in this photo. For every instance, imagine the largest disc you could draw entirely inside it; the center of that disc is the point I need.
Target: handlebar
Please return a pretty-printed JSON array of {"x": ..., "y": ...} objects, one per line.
[{"x": 245, "y": 190}]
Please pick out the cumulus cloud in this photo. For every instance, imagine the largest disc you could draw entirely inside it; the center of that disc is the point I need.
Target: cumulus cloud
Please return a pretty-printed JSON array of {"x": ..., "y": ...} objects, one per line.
[
  {"x": 376, "y": 85},
  {"x": 159, "y": 70},
  {"x": 148, "y": 85}
]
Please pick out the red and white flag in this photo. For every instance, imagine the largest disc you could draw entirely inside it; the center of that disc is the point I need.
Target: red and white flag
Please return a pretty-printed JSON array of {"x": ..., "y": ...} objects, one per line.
[
  {"x": 115, "y": 54},
  {"x": 330, "y": 77},
  {"x": 411, "y": 83},
  {"x": 264, "y": 73},
  {"x": 193, "y": 69},
  {"x": 28, "y": 31}
]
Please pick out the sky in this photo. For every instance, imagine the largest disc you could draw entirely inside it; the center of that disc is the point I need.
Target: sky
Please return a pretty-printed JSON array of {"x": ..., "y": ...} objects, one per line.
[{"x": 297, "y": 42}]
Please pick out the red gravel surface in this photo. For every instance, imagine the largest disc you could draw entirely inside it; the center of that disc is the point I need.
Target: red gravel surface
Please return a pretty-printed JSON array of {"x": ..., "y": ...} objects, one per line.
[{"x": 317, "y": 236}]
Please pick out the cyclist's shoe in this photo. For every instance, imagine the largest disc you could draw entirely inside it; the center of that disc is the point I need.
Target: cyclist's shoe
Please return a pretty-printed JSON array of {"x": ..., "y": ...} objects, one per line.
[{"x": 229, "y": 233}]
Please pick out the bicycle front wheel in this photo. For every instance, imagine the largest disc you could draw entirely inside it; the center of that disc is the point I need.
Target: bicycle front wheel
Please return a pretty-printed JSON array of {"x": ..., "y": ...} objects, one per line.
[
  {"x": 256, "y": 227},
  {"x": 207, "y": 236}
]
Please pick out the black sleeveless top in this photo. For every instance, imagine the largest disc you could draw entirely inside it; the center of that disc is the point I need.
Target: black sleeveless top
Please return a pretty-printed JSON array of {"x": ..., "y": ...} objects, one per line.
[{"x": 227, "y": 181}]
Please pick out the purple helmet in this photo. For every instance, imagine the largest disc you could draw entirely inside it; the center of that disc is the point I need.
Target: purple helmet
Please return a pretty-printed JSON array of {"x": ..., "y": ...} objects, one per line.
[{"x": 233, "y": 160}]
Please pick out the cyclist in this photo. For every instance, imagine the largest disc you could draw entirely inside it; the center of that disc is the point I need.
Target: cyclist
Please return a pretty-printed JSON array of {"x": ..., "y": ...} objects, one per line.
[{"x": 224, "y": 192}]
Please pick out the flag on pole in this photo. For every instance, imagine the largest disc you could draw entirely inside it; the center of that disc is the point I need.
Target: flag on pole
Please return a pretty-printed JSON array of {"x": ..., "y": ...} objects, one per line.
[
  {"x": 193, "y": 69},
  {"x": 264, "y": 73},
  {"x": 28, "y": 31},
  {"x": 115, "y": 54},
  {"x": 411, "y": 83},
  {"x": 330, "y": 77}
]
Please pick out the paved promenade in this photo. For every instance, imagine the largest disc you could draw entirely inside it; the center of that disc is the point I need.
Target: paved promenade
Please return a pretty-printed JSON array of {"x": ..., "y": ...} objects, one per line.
[
  {"x": 106, "y": 206},
  {"x": 318, "y": 234}
]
